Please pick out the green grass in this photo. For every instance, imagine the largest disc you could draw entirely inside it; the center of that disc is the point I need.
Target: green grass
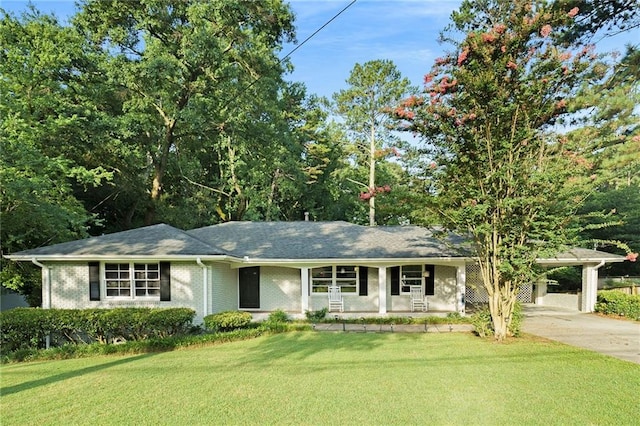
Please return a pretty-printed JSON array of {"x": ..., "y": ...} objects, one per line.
[{"x": 330, "y": 378}]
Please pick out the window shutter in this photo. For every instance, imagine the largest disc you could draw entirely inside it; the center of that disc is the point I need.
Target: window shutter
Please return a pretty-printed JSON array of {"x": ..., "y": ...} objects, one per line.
[
  {"x": 364, "y": 280},
  {"x": 430, "y": 281},
  {"x": 165, "y": 281},
  {"x": 94, "y": 281},
  {"x": 395, "y": 281}
]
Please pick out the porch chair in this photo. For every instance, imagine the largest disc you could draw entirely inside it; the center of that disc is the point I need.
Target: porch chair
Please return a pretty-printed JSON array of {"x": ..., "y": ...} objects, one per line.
[
  {"x": 335, "y": 298},
  {"x": 418, "y": 300}
]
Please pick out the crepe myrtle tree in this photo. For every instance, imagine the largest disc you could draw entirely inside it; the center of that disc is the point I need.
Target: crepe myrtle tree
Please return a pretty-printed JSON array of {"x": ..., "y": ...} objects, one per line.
[{"x": 501, "y": 175}]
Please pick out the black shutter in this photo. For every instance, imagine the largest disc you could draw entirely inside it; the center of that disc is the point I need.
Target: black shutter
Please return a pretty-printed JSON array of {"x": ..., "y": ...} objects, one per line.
[
  {"x": 429, "y": 282},
  {"x": 395, "y": 281},
  {"x": 165, "y": 281},
  {"x": 94, "y": 281},
  {"x": 364, "y": 280}
]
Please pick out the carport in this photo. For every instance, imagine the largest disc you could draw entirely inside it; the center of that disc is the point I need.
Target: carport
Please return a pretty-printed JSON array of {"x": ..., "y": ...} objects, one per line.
[{"x": 590, "y": 261}]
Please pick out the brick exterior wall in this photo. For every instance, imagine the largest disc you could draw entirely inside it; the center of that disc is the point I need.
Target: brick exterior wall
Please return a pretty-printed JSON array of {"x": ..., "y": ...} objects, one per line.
[
  {"x": 280, "y": 288},
  {"x": 70, "y": 289},
  {"x": 224, "y": 288}
]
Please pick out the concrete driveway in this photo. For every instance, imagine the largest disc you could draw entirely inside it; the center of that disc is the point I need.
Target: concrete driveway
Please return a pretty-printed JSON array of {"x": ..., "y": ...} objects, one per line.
[{"x": 613, "y": 337}]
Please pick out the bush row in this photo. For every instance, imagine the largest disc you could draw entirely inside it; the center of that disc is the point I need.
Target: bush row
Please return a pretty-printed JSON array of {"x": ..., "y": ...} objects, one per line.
[
  {"x": 27, "y": 328},
  {"x": 612, "y": 302}
]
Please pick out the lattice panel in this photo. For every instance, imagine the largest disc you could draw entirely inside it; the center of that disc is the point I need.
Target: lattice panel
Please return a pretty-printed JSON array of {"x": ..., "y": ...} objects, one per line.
[{"x": 476, "y": 293}]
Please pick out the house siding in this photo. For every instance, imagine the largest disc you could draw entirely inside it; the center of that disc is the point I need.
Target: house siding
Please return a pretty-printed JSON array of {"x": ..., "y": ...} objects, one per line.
[
  {"x": 70, "y": 289},
  {"x": 280, "y": 288},
  {"x": 224, "y": 288}
]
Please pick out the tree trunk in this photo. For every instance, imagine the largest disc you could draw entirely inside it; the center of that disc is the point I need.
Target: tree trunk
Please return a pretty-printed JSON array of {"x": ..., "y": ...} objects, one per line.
[
  {"x": 159, "y": 168},
  {"x": 372, "y": 176}
]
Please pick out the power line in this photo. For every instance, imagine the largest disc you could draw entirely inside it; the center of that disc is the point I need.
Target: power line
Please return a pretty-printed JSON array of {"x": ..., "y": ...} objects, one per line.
[
  {"x": 298, "y": 46},
  {"x": 317, "y": 31}
]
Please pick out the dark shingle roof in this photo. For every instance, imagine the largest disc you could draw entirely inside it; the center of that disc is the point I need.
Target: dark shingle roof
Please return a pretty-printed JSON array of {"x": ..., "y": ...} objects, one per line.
[
  {"x": 155, "y": 240},
  {"x": 323, "y": 240}
]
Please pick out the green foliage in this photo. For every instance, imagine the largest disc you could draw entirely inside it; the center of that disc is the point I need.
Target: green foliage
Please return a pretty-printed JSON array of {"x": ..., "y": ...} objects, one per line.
[
  {"x": 375, "y": 89},
  {"x": 278, "y": 316},
  {"x": 156, "y": 344},
  {"x": 500, "y": 174},
  {"x": 613, "y": 302},
  {"x": 316, "y": 316},
  {"x": 227, "y": 321},
  {"x": 27, "y": 328},
  {"x": 483, "y": 323}
]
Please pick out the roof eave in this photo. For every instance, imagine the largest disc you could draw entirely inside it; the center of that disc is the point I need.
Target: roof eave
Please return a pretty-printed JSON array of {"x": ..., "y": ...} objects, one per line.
[{"x": 106, "y": 258}]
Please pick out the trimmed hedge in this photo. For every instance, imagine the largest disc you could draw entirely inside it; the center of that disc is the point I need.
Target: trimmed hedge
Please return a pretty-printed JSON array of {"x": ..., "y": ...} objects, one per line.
[
  {"x": 227, "y": 320},
  {"x": 612, "y": 302},
  {"x": 27, "y": 328}
]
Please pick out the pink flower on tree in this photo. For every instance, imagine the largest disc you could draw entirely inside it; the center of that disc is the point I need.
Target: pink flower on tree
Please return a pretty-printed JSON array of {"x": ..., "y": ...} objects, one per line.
[
  {"x": 512, "y": 65},
  {"x": 631, "y": 257},
  {"x": 463, "y": 56},
  {"x": 488, "y": 37},
  {"x": 573, "y": 12},
  {"x": 546, "y": 30}
]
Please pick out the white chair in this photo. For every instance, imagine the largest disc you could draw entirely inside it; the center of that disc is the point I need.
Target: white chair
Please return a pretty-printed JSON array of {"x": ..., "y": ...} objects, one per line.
[
  {"x": 335, "y": 298},
  {"x": 418, "y": 300}
]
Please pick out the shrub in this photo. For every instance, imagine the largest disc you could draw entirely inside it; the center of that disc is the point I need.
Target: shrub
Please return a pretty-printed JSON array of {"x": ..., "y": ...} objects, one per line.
[
  {"x": 612, "y": 302},
  {"x": 27, "y": 328},
  {"x": 483, "y": 325},
  {"x": 316, "y": 316},
  {"x": 227, "y": 321},
  {"x": 24, "y": 328},
  {"x": 278, "y": 316}
]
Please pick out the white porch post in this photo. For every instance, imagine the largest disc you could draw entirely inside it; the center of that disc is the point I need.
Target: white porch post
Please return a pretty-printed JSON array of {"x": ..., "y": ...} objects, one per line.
[
  {"x": 589, "y": 287},
  {"x": 461, "y": 284},
  {"x": 304, "y": 291},
  {"x": 382, "y": 290}
]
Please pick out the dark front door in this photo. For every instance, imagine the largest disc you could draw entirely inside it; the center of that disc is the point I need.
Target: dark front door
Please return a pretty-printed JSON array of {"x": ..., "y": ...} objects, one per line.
[{"x": 249, "y": 287}]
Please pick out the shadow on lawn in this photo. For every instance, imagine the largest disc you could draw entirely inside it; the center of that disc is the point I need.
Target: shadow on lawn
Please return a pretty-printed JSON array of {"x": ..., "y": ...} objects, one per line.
[
  {"x": 69, "y": 375},
  {"x": 428, "y": 353}
]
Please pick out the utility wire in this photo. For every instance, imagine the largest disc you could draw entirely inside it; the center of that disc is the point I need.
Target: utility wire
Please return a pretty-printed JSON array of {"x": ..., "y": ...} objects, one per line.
[{"x": 297, "y": 47}]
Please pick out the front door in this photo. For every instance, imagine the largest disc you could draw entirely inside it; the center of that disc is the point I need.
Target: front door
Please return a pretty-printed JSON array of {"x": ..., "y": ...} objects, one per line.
[{"x": 249, "y": 287}]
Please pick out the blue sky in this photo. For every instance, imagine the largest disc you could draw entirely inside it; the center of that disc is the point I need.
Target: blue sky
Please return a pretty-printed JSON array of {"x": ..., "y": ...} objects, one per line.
[{"x": 405, "y": 32}]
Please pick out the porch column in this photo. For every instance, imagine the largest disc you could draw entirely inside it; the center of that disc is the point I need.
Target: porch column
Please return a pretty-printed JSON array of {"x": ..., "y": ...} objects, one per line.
[
  {"x": 461, "y": 284},
  {"x": 304, "y": 291},
  {"x": 589, "y": 287},
  {"x": 382, "y": 290}
]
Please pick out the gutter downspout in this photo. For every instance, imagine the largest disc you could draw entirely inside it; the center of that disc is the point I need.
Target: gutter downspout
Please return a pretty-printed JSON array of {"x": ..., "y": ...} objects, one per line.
[
  {"x": 205, "y": 285},
  {"x": 46, "y": 296}
]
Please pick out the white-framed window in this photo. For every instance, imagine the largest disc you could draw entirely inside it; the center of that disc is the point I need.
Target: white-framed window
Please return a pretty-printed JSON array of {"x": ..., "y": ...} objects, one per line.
[
  {"x": 346, "y": 277},
  {"x": 132, "y": 279},
  {"x": 411, "y": 275}
]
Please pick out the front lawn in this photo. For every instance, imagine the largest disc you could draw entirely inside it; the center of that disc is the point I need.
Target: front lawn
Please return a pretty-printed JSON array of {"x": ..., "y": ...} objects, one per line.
[{"x": 330, "y": 378}]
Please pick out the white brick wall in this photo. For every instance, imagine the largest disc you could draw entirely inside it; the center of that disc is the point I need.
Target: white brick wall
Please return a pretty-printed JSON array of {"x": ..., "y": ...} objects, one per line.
[
  {"x": 280, "y": 288},
  {"x": 70, "y": 289},
  {"x": 224, "y": 288}
]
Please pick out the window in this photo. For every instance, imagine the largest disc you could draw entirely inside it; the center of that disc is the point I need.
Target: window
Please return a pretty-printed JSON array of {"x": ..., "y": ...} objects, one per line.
[
  {"x": 132, "y": 279},
  {"x": 410, "y": 275},
  {"x": 346, "y": 277}
]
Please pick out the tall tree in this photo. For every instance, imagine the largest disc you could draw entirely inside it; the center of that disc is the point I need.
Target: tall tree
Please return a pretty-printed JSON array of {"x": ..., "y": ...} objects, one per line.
[
  {"x": 502, "y": 177},
  {"x": 182, "y": 67},
  {"x": 376, "y": 87},
  {"x": 48, "y": 119}
]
